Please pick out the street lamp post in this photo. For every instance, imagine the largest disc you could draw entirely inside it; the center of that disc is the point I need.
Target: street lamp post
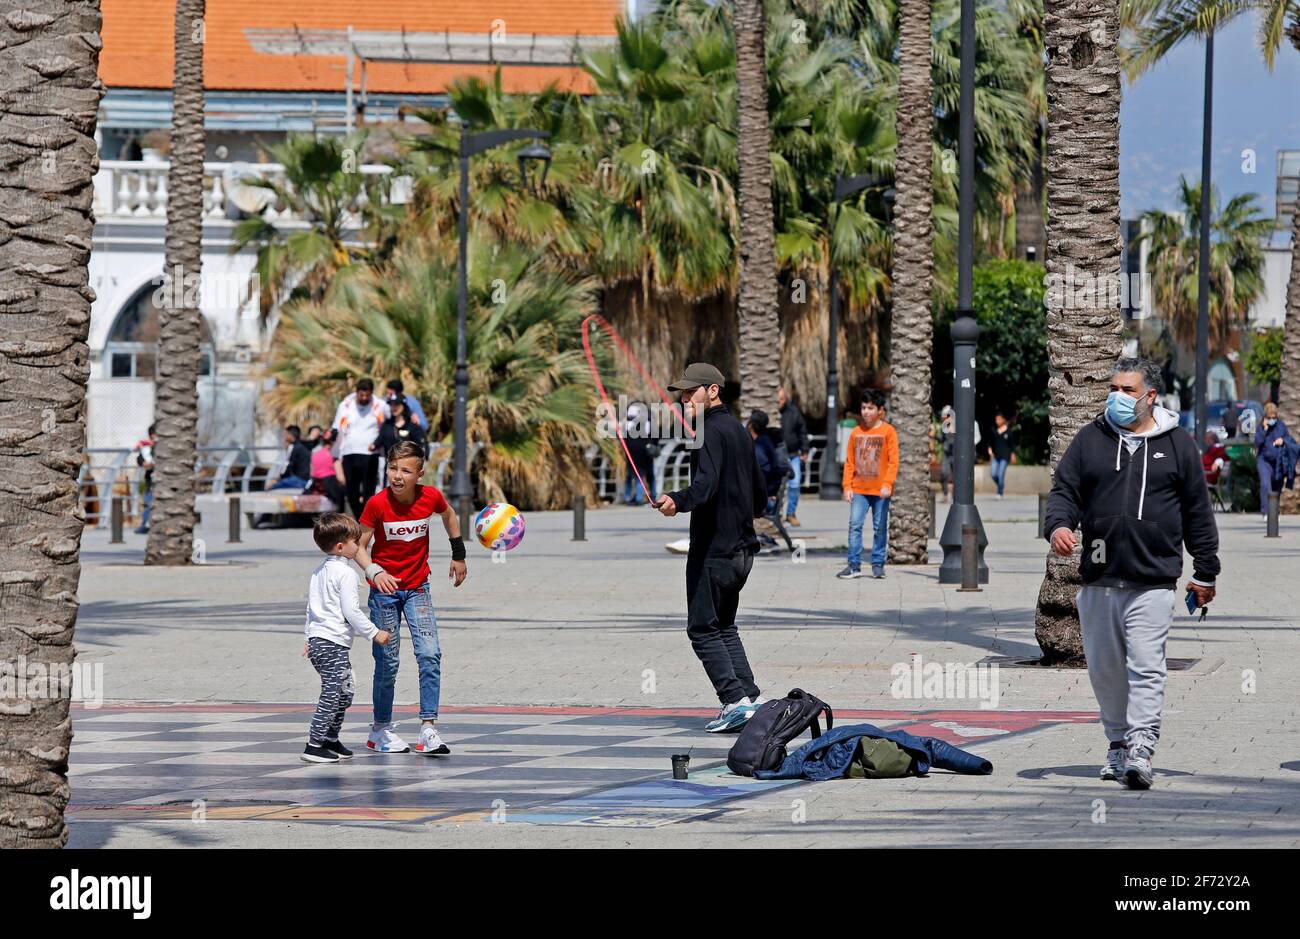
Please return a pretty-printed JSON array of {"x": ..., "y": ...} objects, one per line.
[
  {"x": 1203, "y": 274},
  {"x": 965, "y": 331},
  {"x": 471, "y": 144},
  {"x": 830, "y": 490}
]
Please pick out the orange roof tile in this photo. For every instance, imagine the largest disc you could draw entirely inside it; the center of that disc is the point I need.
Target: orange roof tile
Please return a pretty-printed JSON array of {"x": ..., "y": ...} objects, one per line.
[{"x": 138, "y": 34}]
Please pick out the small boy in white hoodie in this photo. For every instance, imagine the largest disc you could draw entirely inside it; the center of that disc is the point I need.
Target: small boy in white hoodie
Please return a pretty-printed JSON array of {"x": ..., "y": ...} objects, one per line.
[{"x": 333, "y": 615}]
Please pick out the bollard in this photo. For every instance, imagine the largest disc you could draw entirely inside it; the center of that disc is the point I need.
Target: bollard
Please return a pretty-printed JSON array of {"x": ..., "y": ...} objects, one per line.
[
  {"x": 118, "y": 511},
  {"x": 1273, "y": 500},
  {"x": 234, "y": 521},
  {"x": 932, "y": 513},
  {"x": 1042, "y": 513},
  {"x": 970, "y": 560},
  {"x": 579, "y": 518}
]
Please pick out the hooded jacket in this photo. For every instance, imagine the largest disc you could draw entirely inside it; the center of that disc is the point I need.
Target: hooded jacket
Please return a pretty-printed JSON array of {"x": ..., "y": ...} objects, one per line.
[{"x": 1140, "y": 498}]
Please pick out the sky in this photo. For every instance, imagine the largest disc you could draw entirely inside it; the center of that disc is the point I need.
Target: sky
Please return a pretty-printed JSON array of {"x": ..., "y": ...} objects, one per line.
[{"x": 1160, "y": 121}]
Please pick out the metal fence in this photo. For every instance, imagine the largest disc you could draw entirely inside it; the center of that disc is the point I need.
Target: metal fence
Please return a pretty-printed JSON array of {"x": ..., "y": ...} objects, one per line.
[
  {"x": 672, "y": 469},
  {"x": 112, "y": 473},
  {"x": 106, "y": 474}
]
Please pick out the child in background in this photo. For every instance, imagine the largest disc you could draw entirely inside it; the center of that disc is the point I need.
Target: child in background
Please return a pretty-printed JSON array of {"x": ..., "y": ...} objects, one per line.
[
  {"x": 333, "y": 615},
  {"x": 870, "y": 468}
]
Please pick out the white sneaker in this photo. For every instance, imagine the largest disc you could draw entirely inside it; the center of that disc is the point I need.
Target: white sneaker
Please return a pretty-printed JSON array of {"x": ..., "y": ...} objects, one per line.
[
  {"x": 1116, "y": 759},
  {"x": 383, "y": 740},
  {"x": 430, "y": 743}
]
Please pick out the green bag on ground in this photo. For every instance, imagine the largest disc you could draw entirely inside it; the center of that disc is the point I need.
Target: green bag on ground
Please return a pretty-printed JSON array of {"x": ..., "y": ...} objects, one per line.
[{"x": 877, "y": 758}]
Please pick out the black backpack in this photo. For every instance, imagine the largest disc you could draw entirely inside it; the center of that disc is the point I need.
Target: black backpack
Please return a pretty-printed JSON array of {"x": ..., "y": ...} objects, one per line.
[{"x": 762, "y": 742}]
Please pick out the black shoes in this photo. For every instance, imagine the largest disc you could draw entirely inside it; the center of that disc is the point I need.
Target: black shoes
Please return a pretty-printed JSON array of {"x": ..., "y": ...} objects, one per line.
[
  {"x": 319, "y": 755},
  {"x": 336, "y": 746}
]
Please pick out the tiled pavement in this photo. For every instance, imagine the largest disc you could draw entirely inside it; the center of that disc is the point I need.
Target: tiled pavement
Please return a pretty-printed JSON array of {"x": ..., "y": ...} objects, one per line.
[
  {"x": 566, "y": 624},
  {"x": 604, "y": 767}
]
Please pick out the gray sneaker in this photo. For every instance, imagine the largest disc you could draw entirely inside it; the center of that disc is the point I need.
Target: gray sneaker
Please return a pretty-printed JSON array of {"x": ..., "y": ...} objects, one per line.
[
  {"x": 850, "y": 572},
  {"x": 878, "y": 571},
  {"x": 1114, "y": 767},
  {"x": 1137, "y": 770}
]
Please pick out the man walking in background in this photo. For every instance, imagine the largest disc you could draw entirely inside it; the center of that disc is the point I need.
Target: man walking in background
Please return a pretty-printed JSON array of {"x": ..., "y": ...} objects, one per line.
[
  {"x": 1134, "y": 479},
  {"x": 357, "y": 423},
  {"x": 725, "y": 495},
  {"x": 795, "y": 433}
]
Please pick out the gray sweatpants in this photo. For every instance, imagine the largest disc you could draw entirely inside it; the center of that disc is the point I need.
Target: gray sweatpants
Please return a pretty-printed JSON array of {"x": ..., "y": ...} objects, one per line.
[{"x": 1124, "y": 634}]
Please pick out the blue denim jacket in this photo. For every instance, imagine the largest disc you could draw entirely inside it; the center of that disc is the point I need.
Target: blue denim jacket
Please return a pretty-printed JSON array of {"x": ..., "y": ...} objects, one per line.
[{"x": 829, "y": 756}]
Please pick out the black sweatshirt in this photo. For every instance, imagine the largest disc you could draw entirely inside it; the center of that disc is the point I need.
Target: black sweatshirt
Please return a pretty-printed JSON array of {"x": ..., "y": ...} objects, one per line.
[
  {"x": 727, "y": 491},
  {"x": 1137, "y": 509}
]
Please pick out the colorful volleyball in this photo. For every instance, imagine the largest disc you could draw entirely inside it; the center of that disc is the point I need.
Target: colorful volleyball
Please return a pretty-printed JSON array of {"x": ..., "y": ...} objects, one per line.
[{"x": 499, "y": 527}]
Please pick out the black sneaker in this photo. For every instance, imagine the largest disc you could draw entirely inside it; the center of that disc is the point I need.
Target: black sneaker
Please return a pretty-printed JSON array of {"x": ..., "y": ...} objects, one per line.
[
  {"x": 878, "y": 571},
  {"x": 336, "y": 746},
  {"x": 318, "y": 755},
  {"x": 849, "y": 573}
]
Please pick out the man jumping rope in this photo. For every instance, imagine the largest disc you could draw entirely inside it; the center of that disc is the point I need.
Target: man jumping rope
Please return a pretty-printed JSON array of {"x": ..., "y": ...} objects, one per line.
[{"x": 725, "y": 495}]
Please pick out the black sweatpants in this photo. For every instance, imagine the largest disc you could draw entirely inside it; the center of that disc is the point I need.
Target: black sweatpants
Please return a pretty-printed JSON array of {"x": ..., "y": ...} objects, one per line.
[
  {"x": 361, "y": 470},
  {"x": 713, "y": 586}
]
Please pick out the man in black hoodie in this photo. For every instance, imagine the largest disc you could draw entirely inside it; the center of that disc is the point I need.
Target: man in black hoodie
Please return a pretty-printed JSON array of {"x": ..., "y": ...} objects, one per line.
[
  {"x": 1133, "y": 478},
  {"x": 726, "y": 493},
  {"x": 795, "y": 434}
]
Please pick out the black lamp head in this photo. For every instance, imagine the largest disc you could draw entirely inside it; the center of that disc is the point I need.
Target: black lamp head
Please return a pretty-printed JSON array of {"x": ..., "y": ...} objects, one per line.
[{"x": 534, "y": 152}]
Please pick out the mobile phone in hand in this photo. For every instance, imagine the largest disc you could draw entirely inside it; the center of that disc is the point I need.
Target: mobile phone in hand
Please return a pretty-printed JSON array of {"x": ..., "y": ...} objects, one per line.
[{"x": 1191, "y": 601}]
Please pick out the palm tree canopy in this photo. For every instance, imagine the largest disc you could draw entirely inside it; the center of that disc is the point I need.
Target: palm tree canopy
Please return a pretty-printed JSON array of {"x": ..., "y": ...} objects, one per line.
[
  {"x": 1236, "y": 260},
  {"x": 1159, "y": 25}
]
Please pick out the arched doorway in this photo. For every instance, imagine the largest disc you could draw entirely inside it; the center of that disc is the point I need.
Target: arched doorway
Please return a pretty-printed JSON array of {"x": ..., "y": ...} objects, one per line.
[
  {"x": 121, "y": 398},
  {"x": 132, "y": 347}
]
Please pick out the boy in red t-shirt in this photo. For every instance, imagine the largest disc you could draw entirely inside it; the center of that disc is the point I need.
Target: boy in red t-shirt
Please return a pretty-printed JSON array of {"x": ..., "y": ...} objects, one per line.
[{"x": 397, "y": 569}]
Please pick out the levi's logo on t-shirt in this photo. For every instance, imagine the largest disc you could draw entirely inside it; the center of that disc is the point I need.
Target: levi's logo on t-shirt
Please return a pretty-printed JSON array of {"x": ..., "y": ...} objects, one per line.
[{"x": 406, "y": 530}]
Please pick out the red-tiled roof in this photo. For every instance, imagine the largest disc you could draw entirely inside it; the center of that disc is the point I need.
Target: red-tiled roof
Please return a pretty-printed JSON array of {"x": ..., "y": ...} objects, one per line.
[{"x": 138, "y": 34}]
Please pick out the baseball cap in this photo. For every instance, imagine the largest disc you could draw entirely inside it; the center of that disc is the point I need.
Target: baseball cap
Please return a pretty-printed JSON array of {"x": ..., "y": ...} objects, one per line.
[{"x": 697, "y": 374}]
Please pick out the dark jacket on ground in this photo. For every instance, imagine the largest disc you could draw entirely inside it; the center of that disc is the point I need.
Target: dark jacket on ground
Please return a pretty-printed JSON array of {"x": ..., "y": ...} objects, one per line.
[
  {"x": 299, "y": 460},
  {"x": 1137, "y": 509},
  {"x": 829, "y": 756},
  {"x": 390, "y": 435},
  {"x": 726, "y": 493},
  {"x": 793, "y": 429}
]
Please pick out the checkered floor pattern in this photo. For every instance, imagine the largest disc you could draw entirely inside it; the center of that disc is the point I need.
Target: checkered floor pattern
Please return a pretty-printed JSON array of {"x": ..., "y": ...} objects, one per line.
[{"x": 539, "y": 765}]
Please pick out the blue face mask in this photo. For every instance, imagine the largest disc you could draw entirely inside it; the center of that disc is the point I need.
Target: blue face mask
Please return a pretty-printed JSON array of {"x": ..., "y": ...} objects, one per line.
[{"x": 1121, "y": 409}]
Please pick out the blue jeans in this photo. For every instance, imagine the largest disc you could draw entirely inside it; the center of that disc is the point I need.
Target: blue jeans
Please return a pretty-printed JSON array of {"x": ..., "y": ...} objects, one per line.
[
  {"x": 879, "y": 506},
  {"x": 792, "y": 487},
  {"x": 386, "y": 612},
  {"x": 147, "y": 511},
  {"x": 292, "y": 482},
  {"x": 632, "y": 494},
  {"x": 998, "y": 470},
  {"x": 1265, "y": 483}
]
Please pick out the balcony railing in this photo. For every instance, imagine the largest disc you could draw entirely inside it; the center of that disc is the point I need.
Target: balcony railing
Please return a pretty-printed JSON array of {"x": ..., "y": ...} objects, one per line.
[{"x": 137, "y": 189}]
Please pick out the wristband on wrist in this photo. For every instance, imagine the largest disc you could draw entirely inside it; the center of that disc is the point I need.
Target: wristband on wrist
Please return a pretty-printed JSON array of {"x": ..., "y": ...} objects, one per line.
[
  {"x": 373, "y": 571},
  {"x": 457, "y": 548}
]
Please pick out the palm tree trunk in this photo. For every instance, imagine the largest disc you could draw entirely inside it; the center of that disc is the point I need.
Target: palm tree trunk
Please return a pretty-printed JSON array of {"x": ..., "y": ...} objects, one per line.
[
  {"x": 49, "y": 62},
  {"x": 1288, "y": 392},
  {"x": 911, "y": 332},
  {"x": 1083, "y": 241},
  {"x": 171, "y": 531},
  {"x": 760, "y": 326}
]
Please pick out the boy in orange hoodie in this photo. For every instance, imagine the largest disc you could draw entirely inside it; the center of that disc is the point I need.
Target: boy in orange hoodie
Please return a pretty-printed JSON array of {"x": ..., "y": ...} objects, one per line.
[{"x": 870, "y": 468}]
